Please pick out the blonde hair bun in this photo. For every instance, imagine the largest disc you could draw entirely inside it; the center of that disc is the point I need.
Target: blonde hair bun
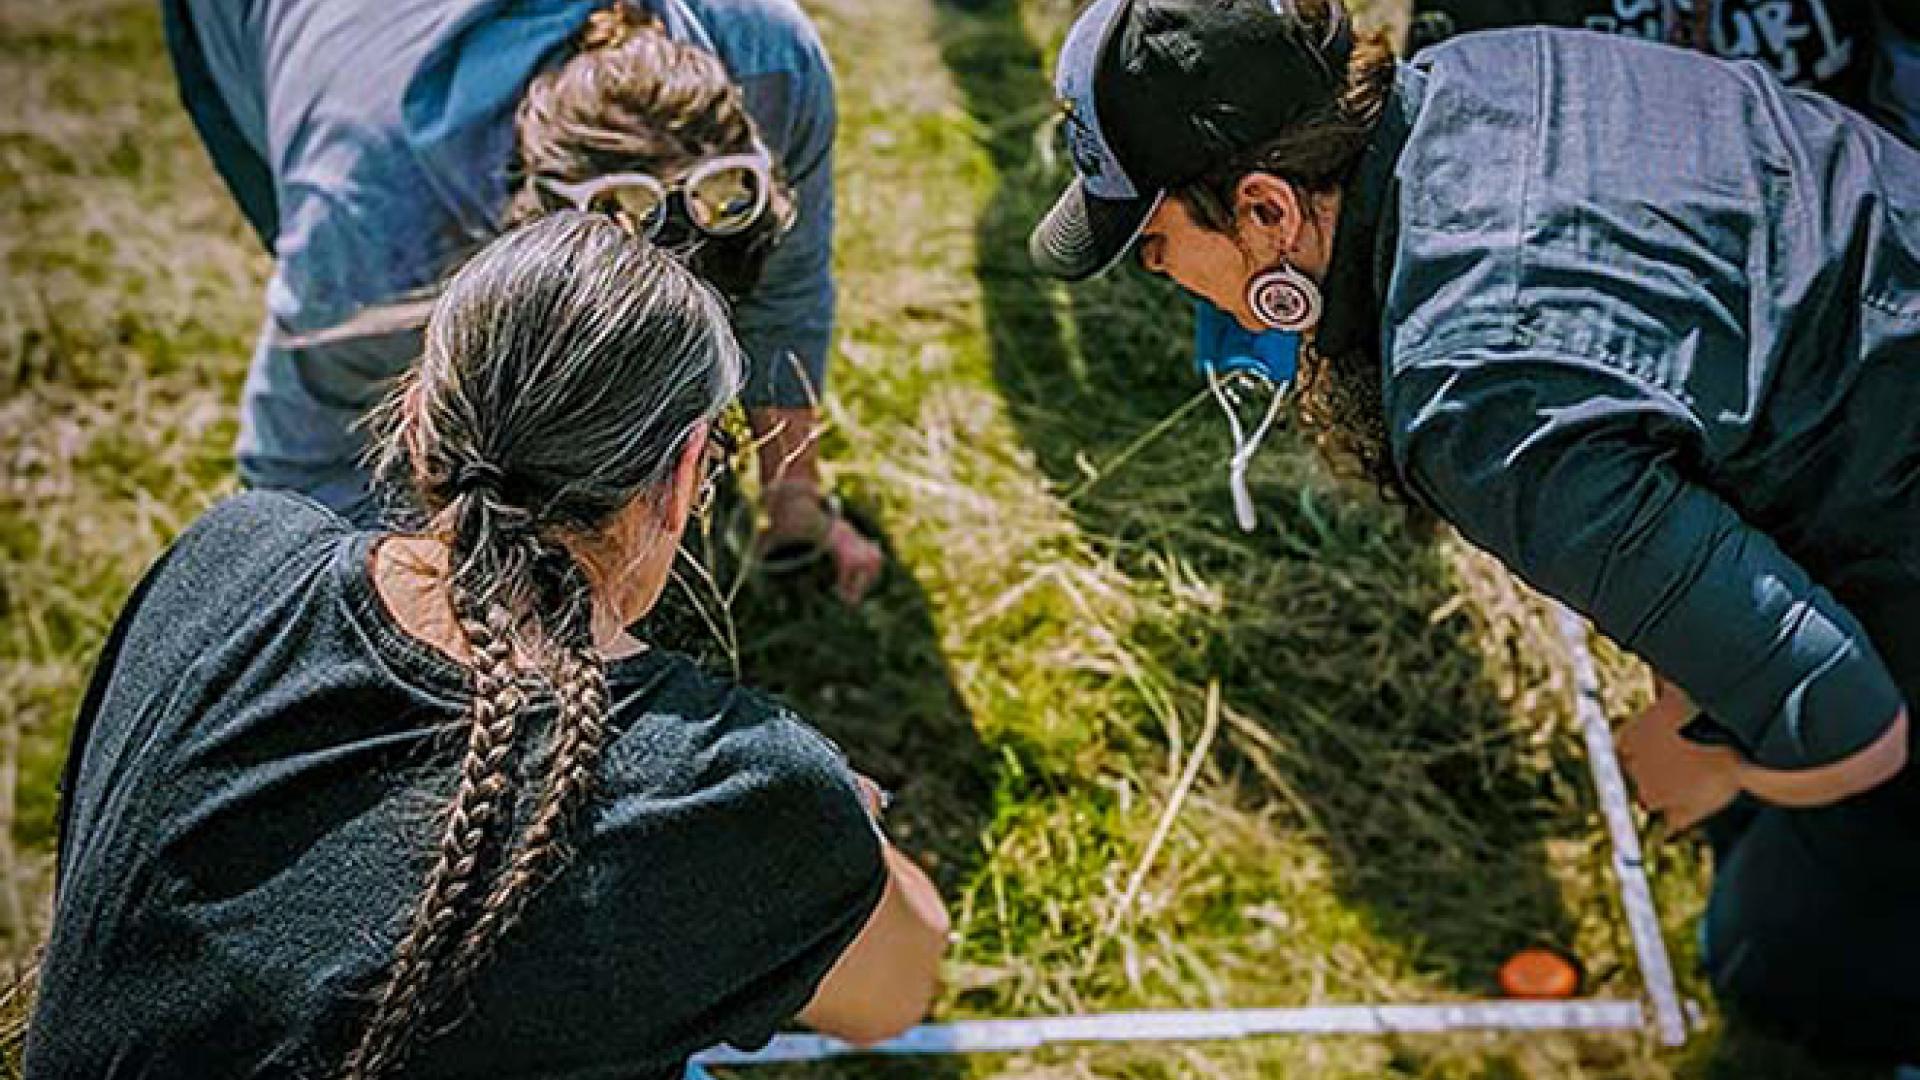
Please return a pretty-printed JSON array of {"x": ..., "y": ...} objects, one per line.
[{"x": 612, "y": 26}]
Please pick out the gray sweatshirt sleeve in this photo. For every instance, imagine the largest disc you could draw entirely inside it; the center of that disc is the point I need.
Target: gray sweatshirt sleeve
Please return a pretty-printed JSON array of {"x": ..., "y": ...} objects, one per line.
[
  {"x": 786, "y": 322},
  {"x": 1577, "y": 476}
]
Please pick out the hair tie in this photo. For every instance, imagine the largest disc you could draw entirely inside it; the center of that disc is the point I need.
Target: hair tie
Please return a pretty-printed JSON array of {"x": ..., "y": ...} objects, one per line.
[{"x": 476, "y": 476}]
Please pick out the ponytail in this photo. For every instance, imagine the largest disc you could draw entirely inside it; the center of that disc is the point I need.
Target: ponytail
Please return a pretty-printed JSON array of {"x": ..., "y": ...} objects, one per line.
[{"x": 564, "y": 368}]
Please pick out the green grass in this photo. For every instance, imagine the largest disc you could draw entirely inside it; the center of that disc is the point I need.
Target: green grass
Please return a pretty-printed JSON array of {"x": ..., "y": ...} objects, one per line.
[{"x": 1392, "y": 799}]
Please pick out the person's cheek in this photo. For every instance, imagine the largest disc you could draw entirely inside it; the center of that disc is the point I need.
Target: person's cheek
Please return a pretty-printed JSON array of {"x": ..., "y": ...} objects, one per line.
[
  {"x": 1211, "y": 269},
  {"x": 1193, "y": 276},
  {"x": 1229, "y": 294}
]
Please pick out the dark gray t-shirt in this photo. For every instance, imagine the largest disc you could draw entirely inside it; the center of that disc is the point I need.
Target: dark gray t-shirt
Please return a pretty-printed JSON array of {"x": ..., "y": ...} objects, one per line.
[{"x": 248, "y": 813}]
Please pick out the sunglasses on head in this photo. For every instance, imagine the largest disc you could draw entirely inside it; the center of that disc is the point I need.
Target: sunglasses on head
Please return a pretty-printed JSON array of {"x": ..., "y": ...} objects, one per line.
[{"x": 721, "y": 196}]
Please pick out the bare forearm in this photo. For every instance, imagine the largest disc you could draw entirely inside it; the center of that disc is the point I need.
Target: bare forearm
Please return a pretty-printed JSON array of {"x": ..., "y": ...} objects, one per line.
[
  {"x": 888, "y": 977},
  {"x": 1689, "y": 781},
  {"x": 1879, "y": 762},
  {"x": 921, "y": 897},
  {"x": 789, "y": 445}
]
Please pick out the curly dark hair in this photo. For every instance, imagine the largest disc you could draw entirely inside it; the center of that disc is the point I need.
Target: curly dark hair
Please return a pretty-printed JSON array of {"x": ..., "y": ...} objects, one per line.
[
  {"x": 1337, "y": 399},
  {"x": 630, "y": 98}
]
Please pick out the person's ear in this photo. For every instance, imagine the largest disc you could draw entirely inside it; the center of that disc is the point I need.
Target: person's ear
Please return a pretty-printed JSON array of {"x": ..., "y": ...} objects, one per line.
[
  {"x": 1271, "y": 214},
  {"x": 683, "y": 489}
]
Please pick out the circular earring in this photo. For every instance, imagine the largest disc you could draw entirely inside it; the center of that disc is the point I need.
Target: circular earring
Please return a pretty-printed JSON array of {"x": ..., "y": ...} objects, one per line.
[{"x": 1284, "y": 299}]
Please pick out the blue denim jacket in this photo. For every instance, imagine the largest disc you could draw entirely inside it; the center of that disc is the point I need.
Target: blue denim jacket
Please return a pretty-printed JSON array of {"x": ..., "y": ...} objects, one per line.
[
  {"x": 386, "y": 129},
  {"x": 1651, "y": 333}
]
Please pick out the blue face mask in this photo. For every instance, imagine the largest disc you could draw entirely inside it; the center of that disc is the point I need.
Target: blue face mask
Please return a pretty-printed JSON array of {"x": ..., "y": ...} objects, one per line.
[
  {"x": 1222, "y": 346},
  {"x": 1234, "y": 361}
]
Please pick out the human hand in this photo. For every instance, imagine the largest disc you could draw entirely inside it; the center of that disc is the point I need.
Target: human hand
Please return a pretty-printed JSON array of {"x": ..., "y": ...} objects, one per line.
[
  {"x": 857, "y": 561},
  {"x": 799, "y": 516},
  {"x": 1682, "y": 781}
]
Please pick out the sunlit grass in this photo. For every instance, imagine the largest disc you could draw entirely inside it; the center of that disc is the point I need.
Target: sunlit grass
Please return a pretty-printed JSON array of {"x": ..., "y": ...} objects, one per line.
[{"x": 1389, "y": 798}]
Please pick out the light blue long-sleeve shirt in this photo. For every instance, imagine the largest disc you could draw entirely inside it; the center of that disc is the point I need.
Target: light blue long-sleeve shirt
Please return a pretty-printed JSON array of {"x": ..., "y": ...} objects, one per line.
[{"x": 387, "y": 130}]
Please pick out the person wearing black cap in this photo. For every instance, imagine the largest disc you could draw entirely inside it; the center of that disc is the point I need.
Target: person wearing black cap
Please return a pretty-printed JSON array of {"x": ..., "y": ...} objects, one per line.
[{"x": 1643, "y": 324}]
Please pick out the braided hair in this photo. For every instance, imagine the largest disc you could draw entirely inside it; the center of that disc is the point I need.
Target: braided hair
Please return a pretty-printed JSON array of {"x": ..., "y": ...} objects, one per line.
[{"x": 565, "y": 367}]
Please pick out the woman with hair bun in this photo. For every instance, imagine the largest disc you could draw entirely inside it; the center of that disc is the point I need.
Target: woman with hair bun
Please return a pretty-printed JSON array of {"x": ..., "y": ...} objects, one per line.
[
  {"x": 374, "y": 144},
  {"x": 363, "y": 804}
]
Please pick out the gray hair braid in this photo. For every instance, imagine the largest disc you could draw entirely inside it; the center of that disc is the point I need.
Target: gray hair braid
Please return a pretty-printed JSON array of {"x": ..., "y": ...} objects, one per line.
[{"x": 565, "y": 367}]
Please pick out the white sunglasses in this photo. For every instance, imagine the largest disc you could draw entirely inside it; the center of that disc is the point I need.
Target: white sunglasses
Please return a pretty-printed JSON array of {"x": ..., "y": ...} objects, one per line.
[{"x": 723, "y": 196}]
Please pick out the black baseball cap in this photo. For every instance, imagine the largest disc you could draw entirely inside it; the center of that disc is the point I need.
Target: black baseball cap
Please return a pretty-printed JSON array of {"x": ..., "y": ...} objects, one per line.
[{"x": 1158, "y": 93}]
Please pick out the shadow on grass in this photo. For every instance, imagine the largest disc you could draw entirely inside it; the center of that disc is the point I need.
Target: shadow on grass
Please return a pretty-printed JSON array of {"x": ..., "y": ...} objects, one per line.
[
  {"x": 1385, "y": 738},
  {"x": 1744, "y": 1050},
  {"x": 873, "y": 679}
]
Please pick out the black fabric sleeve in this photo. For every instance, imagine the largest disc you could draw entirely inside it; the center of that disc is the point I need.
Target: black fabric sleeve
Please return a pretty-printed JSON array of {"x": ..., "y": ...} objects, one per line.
[
  {"x": 1470, "y": 15},
  {"x": 808, "y": 873},
  {"x": 237, "y": 542},
  {"x": 1572, "y": 473},
  {"x": 733, "y": 889},
  {"x": 1904, "y": 17},
  {"x": 83, "y": 721}
]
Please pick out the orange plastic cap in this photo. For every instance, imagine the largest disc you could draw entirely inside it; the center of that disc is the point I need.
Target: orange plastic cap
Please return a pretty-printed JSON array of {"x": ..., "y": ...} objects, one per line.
[{"x": 1539, "y": 973}]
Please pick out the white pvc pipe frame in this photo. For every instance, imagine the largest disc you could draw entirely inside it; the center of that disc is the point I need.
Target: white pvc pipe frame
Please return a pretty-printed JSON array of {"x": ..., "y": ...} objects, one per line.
[{"x": 1661, "y": 1009}]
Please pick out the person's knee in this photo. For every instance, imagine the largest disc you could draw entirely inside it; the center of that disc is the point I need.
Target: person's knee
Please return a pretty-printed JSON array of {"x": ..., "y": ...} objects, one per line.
[{"x": 1822, "y": 982}]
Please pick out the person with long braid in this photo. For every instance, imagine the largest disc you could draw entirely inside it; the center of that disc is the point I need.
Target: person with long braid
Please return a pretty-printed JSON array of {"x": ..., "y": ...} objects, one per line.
[{"x": 357, "y": 804}]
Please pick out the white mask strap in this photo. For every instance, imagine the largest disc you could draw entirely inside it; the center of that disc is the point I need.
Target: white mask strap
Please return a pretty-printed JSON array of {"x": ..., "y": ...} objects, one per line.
[{"x": 1244, "y": 447}]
